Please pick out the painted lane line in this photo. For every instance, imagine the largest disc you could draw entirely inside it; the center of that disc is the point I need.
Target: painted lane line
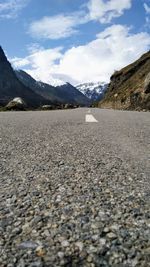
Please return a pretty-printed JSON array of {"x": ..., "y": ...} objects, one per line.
[{"x": 90, "y": 118}]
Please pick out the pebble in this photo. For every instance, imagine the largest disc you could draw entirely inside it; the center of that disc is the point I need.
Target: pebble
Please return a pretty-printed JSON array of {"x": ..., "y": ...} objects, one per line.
[
  {"x": 60, "y": 255},
  {"x": 102, "y": 241},
  {"x": 111, "y": 235},
  {"x": 106, "y": 230},
  {"x": 80, "y": 245},
  {"x": 65, "y": 243},
  {"x": 92, "y": 249},
  {"x": 28, "y": 245},
  {"x": 89, "y": 259},
  {"x": 40, "y": 251}
]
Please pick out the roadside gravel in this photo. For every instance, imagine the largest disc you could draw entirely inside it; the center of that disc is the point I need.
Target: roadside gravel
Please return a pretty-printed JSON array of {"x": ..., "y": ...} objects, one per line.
[{"x": 74, "y": 193}]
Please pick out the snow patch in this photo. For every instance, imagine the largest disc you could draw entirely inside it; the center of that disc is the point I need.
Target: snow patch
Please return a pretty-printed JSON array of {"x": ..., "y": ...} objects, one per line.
[{"x": 53, "y": 82}]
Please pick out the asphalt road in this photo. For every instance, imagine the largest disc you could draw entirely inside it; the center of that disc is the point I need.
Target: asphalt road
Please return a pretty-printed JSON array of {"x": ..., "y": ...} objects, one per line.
[{"x": 75, "y": 193}]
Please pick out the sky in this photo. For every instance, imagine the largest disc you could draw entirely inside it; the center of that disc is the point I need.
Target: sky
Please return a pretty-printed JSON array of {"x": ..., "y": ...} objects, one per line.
[{"x": 74, "y": 41}]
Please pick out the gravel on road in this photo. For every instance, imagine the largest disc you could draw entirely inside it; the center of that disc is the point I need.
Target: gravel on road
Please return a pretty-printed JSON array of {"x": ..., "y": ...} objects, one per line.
[{"x": 74, "y": 193}]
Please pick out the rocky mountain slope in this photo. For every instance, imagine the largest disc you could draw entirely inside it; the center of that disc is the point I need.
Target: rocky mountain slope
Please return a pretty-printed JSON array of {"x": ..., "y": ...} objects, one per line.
[
  {"x": 94, "y": 91},
  {"x": 65, "y": 93},
  {"x": 11, "y": 87},
  {"x": 130, "y": 87}
]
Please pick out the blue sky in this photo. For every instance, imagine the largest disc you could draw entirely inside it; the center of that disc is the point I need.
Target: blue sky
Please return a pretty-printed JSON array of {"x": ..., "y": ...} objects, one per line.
[{"x": 74, "y": 40}]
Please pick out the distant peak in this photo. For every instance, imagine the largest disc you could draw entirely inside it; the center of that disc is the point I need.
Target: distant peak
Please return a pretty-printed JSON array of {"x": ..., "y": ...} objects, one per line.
[{"x": 3, "y": 58}]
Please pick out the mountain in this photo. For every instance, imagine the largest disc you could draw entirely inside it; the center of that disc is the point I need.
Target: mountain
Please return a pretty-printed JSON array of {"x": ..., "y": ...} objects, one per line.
[
  {"x": 94, "y": 91},
  {"x": 129, "y": 88},
  {"x": 72, "y": 95},
  {"x": 11, "y": 87},
  {"x": 65, "y": 93},
  {"x": 45, "y": 90}
]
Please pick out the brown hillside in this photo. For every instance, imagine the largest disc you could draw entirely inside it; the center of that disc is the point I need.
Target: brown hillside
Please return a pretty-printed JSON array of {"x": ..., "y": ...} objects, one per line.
[{"x": 129, "y": 88}]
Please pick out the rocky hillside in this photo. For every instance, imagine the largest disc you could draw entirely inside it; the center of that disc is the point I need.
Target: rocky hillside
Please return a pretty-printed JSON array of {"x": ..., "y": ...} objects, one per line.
[
  {"x": 65, "y": 93},
  {"x": 94, "y": 91},
  {"x": 129, "y": 88},
  {"x": 11, "y": 87}
]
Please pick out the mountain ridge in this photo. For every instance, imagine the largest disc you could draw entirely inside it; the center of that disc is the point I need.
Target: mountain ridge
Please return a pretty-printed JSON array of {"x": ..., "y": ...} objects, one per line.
[
  {"x": 11, "y": 87},
  {"x": 65, "y": 93}
]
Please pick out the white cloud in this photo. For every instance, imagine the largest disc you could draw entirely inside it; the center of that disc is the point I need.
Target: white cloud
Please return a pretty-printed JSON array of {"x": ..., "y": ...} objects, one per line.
[
  {"x": 62, "y": 26},
  {"x": 20, "y": 62},
  {"x": 147, "y": 14},
  {"x": 105, "y": 11},
  {"x": 147, "y": 8},
  {"x": 54, "y": 27},
  {"x": 9, "y": 8},
  {"x": 113, "y": 49},
  {"x": 40, "y": 63}
]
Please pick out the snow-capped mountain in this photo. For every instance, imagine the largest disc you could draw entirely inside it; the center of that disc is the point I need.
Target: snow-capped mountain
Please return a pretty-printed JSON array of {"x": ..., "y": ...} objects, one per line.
[
  {"x": 93, "y": 90},
  {"x": 64, "y": 93}
]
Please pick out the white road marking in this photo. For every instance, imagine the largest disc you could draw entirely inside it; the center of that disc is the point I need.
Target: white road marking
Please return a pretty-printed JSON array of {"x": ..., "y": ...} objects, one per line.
[
  {"x": 90, "y": 118},
  {"x": 89, "y": 111}
]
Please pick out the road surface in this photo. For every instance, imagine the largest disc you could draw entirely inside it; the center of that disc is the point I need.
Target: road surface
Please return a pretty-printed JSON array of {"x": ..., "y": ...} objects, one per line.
[{"x": 75, "y": 188}]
